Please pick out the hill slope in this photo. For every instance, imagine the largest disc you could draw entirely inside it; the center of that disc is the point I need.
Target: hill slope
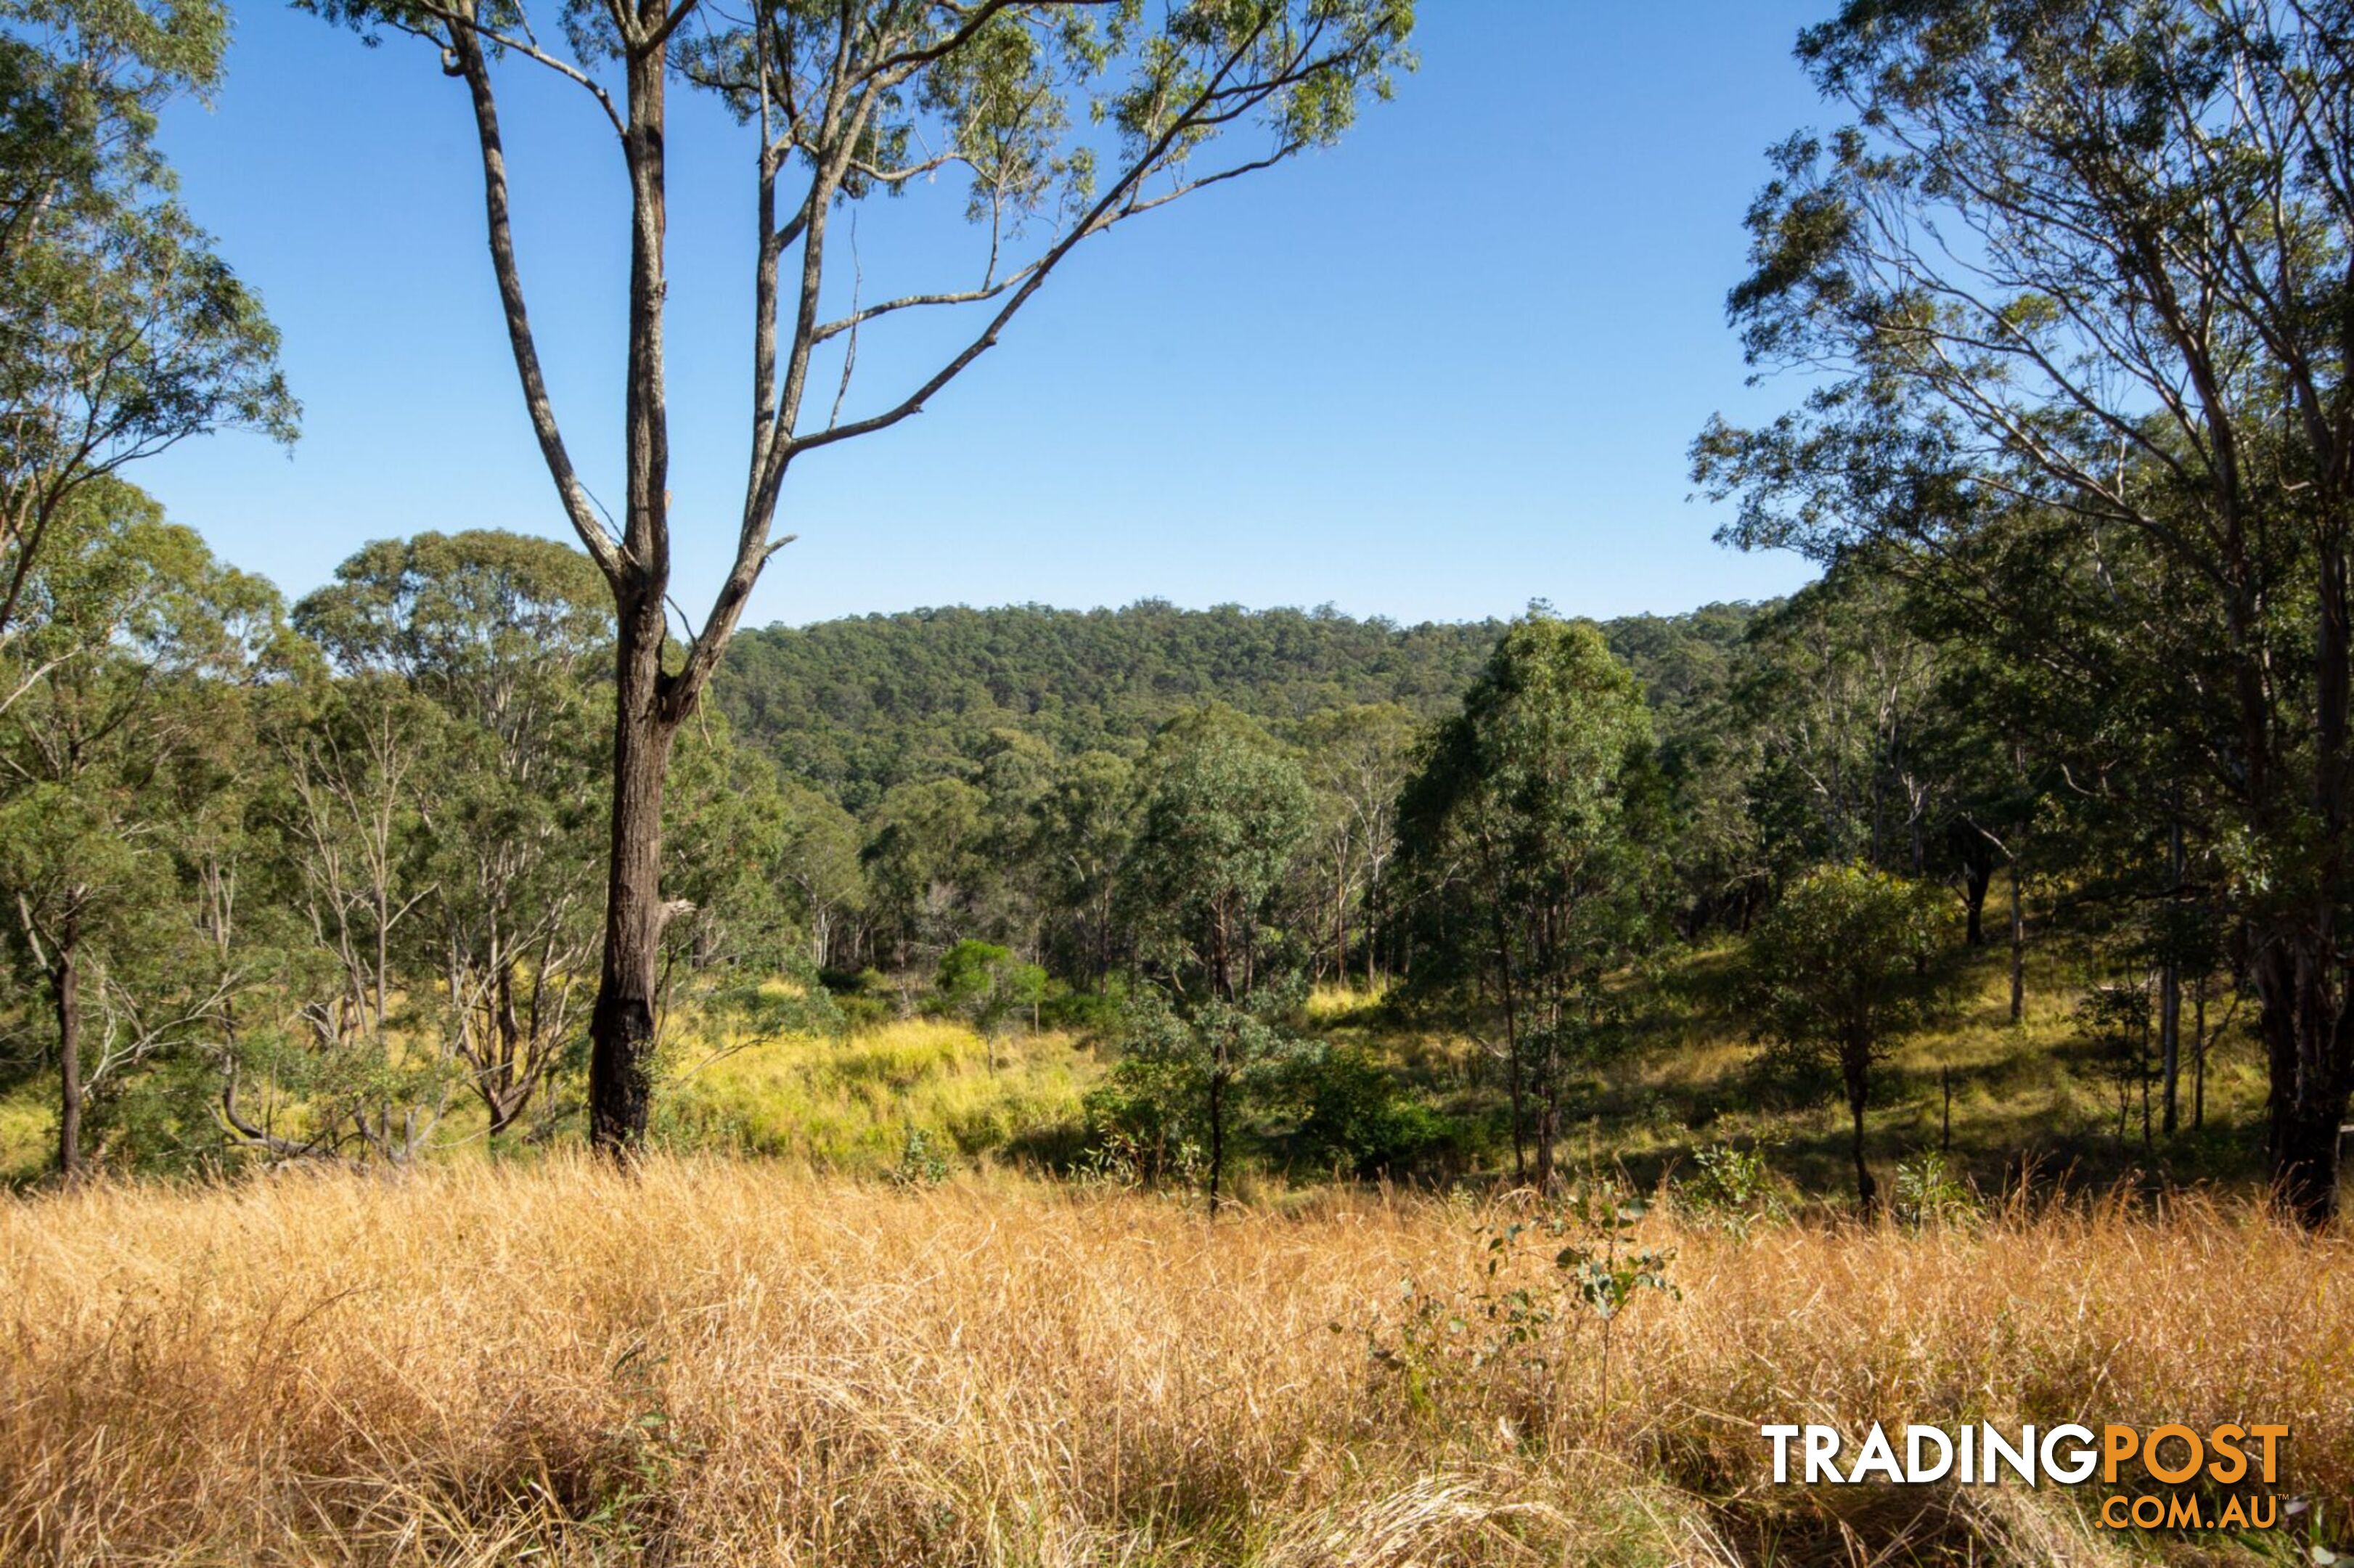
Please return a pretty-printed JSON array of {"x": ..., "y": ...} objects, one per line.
[{"x": 859, "y": 705}]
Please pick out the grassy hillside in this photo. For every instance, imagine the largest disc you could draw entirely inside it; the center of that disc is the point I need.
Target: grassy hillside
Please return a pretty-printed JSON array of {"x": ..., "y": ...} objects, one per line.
[
  {"x": 1992, "y": 1099},
  {"x": 1988, "y": 1093},
  {"x": 726, "y": 1363}
]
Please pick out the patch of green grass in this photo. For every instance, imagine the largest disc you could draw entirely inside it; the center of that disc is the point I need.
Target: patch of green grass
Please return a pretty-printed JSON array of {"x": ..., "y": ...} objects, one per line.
[
  {"x": 849, "y": 1104},
  {"x": 29, "y": 1129}
]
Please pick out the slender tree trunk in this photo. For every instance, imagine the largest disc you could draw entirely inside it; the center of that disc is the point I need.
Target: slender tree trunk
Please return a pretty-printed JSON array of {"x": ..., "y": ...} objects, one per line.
[
  {"x": 1513, "y": 1066},
  {"x": 2169, "y": 990},
  {"x": 1548, "y": 1102},
  {"x": 621, "y": 1026},
  {"x": 1217, "y": 1134},
  {"x": 2170, "y": 1042},
  {"x": 1546, "y": 1132},
  {"x": 1340, "y": 925},
  {"x": 2141, "y": 1071},
  {"x": 2199, "y": 1057},
  {"x": 1867, "y": 1190},
  {"x": 65, "y": 986}
]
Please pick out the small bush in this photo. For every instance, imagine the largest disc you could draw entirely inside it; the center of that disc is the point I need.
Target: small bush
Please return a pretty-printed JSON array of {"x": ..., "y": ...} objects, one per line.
[
  {"x": 1930, "y": 1192},
  {"x": 1091, "y": 1012},
  {"x": 921, "y": 1163},
  {"x": 1360, "y": 1118},
  {"x": 1731, "y": 1189}
]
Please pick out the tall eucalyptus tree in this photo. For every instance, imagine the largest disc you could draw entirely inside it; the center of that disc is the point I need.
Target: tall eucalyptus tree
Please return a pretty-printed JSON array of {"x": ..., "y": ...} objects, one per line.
[
  {"x": 1529, "y": 836},
  {"x": 1055, "y": 120}
]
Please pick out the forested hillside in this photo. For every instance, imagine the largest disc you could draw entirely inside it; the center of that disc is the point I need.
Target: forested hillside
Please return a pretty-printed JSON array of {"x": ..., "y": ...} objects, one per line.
[{"x": 859, "y": 705}]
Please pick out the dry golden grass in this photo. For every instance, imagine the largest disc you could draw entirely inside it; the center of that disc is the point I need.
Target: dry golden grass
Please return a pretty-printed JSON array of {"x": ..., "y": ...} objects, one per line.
[{"x": 712, "y": 1363}]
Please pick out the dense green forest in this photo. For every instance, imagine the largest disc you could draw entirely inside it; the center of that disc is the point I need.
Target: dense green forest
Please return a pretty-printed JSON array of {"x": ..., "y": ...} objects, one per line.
[{"x": 856, "y": 707}]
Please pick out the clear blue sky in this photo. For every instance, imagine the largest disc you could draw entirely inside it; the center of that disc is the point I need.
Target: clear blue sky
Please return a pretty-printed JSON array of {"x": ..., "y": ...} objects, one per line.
[{"x": 1449, "y": 366}]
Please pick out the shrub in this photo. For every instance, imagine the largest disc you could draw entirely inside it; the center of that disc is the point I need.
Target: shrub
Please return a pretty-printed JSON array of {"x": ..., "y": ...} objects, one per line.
[
  {"x": 1730, "y": 1189},
  {"x": 1360, "y": 1118}
]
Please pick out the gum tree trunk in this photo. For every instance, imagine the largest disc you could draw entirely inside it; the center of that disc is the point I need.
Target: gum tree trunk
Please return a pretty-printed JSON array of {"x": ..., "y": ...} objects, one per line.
[
  {"x": 622, "y": 1027},
  {"x": 648, "y": 703},
  {"x": 65, "y": 987},
  {"x": 2305, "y": 1036},
  {"x": 1856, "y": 1067}
]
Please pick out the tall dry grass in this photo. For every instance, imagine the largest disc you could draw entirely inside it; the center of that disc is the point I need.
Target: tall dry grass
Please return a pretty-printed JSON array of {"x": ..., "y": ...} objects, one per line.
[{"x": 725, "y": 1363}]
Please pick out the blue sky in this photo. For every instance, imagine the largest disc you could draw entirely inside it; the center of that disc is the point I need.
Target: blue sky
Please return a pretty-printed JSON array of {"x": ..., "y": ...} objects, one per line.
[{"x": 1448, "y": 368}]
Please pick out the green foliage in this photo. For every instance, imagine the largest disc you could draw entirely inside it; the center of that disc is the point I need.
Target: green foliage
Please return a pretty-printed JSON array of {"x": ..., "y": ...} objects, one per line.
[
  {"x": 741, "y": 858},
  {"x": 1224, "y": 812},
  {"x": 123, "y": 714},
  {"x": 2115, "y": 1021},
  {"x": 1357, "y": 1117},
  {"x": 1840, "y": 968},
  {"x": 1929, "y": 1192},
  {"x": 1529, "y": 841},
  {"x": 1569, "y": 1263},
  {"x": 859, "y": 706},
  {"x": 920, "y": 1163},
  {"x": 2133, "y": 513},
  {"x": 768, "y": 1010},
  {"x": 1140, "y": 1124},
  {"x": 121, "y": 332},
  {"x": 1041, "y": 718},
  {"x": 988, "y": 986},
  {"x": 1729, "y": 1188},
  {"x": 1837, "y": 972},
  {"x": 469, "y": 710},
  {"x": 487, "y": 621}
]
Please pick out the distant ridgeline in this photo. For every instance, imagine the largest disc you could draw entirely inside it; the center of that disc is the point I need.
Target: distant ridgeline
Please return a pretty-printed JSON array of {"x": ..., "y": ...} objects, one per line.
[{"x": 857, "y": 705}]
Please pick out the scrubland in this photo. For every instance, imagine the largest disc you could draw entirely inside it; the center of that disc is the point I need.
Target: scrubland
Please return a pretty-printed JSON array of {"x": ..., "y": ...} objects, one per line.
[{"x": 727, "y": 1361}]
